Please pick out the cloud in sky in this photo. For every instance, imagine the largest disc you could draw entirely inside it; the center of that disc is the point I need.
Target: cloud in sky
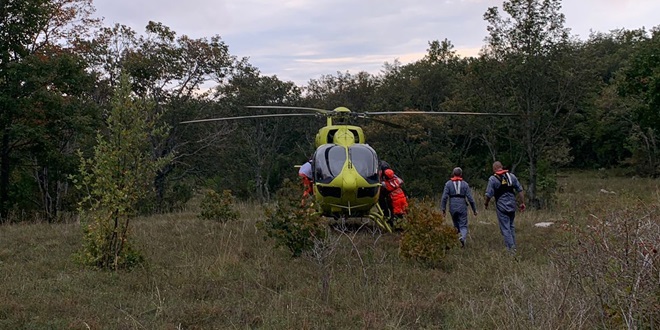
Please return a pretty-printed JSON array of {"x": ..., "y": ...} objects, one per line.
[{"x": 299, "y": 40}]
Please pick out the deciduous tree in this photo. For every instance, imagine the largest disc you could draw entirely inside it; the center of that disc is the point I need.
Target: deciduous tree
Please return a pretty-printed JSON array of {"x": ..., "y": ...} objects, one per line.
[
  {"x": 175, "y": 73},
  {"x": 640, "y": 85},
  {"x": 262, "y": 151},
  {"x": 43, "y": 85},
  {"x": 542, "y": 79}
]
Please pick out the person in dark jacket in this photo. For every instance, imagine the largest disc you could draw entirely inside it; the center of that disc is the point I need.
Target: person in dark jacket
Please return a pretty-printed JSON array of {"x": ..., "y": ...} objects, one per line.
[
  {"x": 383, "y": 199},
  {"x": 457, "y": 193},
  {"x": 504, "y": 186}
]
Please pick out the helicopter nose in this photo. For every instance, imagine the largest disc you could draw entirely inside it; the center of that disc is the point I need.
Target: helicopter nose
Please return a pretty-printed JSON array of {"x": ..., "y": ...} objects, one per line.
[{"x": 349, "y": 185}]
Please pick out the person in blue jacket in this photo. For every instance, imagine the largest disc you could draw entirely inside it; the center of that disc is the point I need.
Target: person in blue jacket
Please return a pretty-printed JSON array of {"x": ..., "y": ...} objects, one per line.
[
  {"x": 458, "y": 193},
  {"x": 504, "y": 186}
]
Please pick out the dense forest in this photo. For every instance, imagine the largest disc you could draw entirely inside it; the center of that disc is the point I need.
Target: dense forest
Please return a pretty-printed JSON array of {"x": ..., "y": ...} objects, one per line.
[{"x": 581, "y": 104}]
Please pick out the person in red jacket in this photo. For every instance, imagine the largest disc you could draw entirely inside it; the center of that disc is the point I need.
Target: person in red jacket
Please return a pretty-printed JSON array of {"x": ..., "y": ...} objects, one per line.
[
  {"x": 392, "y": 185},
  {"x": 307, "y": 177}
]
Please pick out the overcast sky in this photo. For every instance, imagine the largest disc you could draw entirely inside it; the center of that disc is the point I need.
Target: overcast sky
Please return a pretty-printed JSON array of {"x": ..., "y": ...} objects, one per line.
[{"x": 299, "y": 40}]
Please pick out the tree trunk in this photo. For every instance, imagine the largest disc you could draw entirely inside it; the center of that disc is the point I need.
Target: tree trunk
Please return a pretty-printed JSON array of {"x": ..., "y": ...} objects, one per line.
[
  {"x": 51, "y": 195},
  {"x": 41, "y": 175},
  {"x": 265, "y": 191},
  {"x": 4, "y": 176},
  {"x": 159, "y": 183},
  {"x": 62, "y": 189},
  {"x": 258, "y": 187},
  {"x": 531, "y": 188},
  {"x": 532, "y": 157}
]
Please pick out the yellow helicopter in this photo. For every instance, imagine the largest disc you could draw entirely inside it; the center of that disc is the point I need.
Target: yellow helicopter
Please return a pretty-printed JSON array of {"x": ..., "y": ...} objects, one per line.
[{"x": 346, "y": 177}]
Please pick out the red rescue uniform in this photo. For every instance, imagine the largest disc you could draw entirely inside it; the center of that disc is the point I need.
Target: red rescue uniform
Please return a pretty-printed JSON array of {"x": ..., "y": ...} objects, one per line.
[
  {"x": 308, "y": 184},
  {"x": 398, "y": 197},
  {"x": 306, "y": 174}
]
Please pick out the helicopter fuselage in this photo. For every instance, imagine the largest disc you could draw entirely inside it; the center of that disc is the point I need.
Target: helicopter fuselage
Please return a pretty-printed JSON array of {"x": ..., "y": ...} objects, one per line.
[
  {"x": 346, "y": 179},
  {"x": 346, "y": 174}
]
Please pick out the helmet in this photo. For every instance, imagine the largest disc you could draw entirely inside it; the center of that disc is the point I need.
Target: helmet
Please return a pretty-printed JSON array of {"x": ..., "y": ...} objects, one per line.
[{"x": 389, "y": 173}]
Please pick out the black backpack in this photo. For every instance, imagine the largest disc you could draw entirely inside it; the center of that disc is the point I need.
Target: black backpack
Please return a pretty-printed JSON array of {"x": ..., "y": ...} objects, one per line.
[{"x": 506, "y": 185}]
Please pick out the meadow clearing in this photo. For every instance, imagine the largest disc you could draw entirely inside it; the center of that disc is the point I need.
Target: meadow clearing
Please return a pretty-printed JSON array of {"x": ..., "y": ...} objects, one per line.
[{"x": 595, "y": 267}]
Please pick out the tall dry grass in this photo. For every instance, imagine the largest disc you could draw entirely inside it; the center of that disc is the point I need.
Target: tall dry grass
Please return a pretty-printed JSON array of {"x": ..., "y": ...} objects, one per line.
[{"x": 209, "y": 275}]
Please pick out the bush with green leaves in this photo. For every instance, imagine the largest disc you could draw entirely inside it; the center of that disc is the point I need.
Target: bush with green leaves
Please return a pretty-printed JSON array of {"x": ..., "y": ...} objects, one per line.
[
  {"x": 292, "y": 222},
  {"x": 219, "y": 207},
  {"x": 426, "y": 238},
  {"x": 106, "y": 247}
]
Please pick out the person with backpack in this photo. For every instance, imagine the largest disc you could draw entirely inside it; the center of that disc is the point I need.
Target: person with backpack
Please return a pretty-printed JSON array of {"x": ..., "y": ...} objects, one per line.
[
  {"x": 458, "y": 193},
  {"x": 504, "y": 186}
]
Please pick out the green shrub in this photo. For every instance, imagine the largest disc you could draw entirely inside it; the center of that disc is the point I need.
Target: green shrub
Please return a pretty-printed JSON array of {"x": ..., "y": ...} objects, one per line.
[
  {"x": 98, "y": 250},
  {"x": 426, "y": 238},
  {"x": 293, "y": 223},
  {"x": 219, "y": 207}
]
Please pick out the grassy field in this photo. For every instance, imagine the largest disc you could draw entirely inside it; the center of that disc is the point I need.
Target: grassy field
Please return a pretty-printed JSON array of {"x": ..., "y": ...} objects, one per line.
[{"x": 202, "y": 274}]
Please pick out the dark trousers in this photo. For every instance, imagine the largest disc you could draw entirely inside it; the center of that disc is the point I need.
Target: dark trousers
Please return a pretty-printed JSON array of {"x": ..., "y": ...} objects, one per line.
[
  {"x": 385, "y": 204},
  {"x": 460, "y": 219}
]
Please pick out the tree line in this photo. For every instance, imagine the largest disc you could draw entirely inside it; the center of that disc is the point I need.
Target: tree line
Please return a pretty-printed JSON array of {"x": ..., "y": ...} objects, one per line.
[{"x": 584, "y": 104}]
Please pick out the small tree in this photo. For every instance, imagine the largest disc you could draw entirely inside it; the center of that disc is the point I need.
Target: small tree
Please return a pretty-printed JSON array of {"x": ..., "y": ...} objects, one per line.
[
  {"x": 291, "y": 224},
  {"x": 116, "y": 177},
  {"x": 426, "y": 237}
]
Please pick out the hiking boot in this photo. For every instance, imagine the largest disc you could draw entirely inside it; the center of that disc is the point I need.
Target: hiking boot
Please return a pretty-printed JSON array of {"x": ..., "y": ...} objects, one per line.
[
  {"x": 514, "y": 254},
  {"x": 462, "y": 240}
]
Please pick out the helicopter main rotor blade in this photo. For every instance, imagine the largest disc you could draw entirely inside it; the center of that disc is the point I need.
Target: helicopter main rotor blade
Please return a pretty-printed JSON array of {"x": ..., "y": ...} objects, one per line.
[
  {"x": 446, "y": 113},
  {"x": 248, "y": 117},
  {"x": 324, "y": 111},
  {"x": 384, "y": 122}
]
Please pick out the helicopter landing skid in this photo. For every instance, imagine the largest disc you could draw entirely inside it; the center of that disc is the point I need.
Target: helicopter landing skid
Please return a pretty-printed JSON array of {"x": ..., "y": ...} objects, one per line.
[{"x": 378, "y": 216}]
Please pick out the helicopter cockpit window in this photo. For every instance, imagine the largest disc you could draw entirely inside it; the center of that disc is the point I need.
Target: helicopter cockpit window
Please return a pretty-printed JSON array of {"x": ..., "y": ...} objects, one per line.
[
  {"x": 328, "y": 161},
  {"x": 365, "y": 161}
]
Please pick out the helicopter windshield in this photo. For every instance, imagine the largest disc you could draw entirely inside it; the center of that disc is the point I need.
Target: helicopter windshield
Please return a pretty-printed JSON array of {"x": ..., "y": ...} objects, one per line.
[
  {"x": 365, "y": 161},
  {"x": 329, "y": 160}
]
